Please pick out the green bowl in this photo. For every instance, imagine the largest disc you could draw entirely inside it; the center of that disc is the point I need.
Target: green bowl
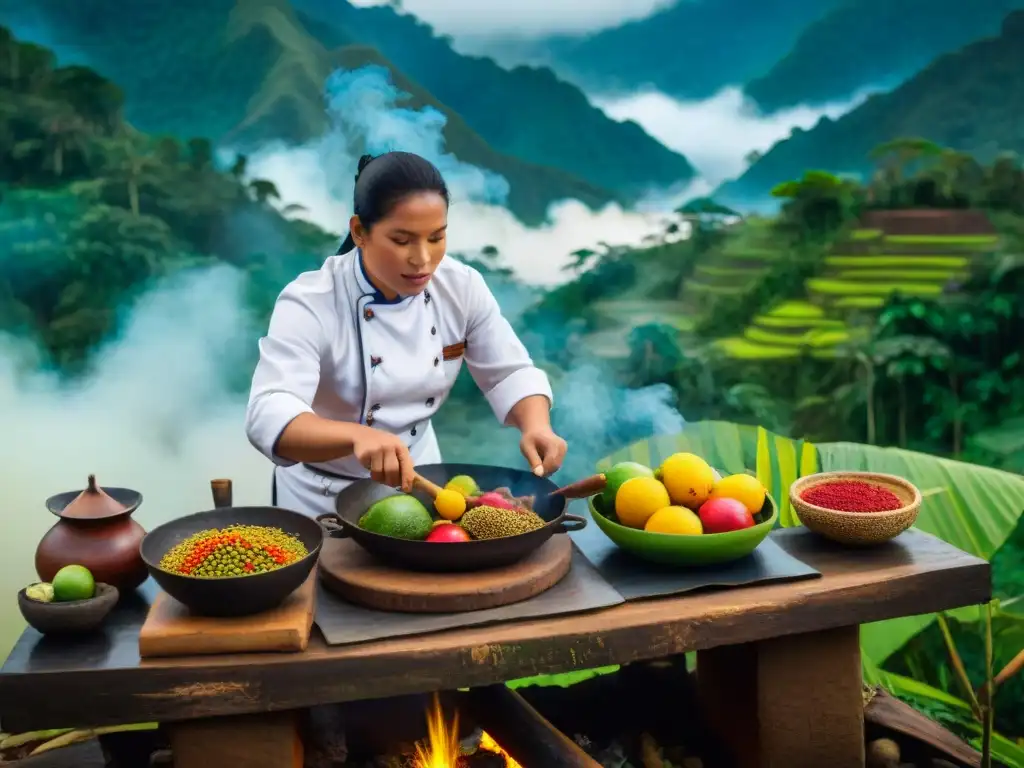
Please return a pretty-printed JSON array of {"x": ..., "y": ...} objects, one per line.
[{"x": 676, "y": 549}]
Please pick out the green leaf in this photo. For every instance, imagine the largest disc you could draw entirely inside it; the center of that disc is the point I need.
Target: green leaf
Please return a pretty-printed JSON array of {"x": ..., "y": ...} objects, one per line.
[{"x": 974, "y": 508}]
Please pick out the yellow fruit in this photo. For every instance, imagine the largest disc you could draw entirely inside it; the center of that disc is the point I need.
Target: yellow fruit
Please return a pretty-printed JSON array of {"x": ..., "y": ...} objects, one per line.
[
  {"x": 677, "y": 520},
  {"x": 688, "y": 478},
  {"x": 450, "y": 504},
  {"x": 746, "y": 489},
  {"x": 639, "y": 498}
]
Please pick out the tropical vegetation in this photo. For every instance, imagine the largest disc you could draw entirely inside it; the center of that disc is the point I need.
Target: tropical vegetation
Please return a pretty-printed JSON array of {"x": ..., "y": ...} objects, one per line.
[{"x": 868, "y": 325}]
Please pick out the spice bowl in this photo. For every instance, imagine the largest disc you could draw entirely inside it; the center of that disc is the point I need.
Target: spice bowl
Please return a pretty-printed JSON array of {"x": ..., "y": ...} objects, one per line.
[
  {"x": 73, "y": 617},
  {"x": 860, "y": 528}
]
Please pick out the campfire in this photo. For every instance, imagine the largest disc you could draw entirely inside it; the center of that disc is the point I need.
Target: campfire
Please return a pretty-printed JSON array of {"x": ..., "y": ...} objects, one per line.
[{"x": 443, "y": 749}]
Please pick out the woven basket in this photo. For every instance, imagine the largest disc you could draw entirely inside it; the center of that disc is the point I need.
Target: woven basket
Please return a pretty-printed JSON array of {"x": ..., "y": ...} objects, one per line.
[{"x": 857, "y": 528}]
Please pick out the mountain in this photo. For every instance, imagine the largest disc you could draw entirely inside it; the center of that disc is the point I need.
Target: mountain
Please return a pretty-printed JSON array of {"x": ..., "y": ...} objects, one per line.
[
  {"x": 526, "y": 112},
  {"x": 691, "y": 49},
  {"x": 865, "y": 43},
  {"x": 971, "y": 101},
  {"x": 253, "y": 69}
]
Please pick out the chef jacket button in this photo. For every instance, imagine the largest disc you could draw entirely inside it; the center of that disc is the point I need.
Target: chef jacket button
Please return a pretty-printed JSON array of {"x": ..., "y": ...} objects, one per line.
[
  {"x": 436, "y": 361},
  {"x": 413, "y": 432},
  {"x": 430, "y": 401},
  {"x": 433, "y": 330},
  {"x": 368, "y": 313}
]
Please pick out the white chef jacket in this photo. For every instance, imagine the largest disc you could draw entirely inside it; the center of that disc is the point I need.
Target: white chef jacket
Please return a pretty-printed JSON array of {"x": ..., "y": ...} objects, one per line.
[{"x": 337, "y": 347}]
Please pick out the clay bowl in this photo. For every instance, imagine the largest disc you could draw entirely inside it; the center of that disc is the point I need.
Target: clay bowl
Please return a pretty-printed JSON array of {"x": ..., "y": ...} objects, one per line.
[
  {"x": 72, "y": 617},
  {"x": 857, "y": 528},
  {"x": 233, "y": 595}
]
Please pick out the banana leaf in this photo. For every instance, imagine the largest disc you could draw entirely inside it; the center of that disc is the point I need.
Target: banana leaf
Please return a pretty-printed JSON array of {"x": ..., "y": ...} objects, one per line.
[{"x": 972, "y": 507}]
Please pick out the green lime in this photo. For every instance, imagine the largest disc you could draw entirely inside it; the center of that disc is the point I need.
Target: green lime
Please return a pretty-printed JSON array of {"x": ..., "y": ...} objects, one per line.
[
  {"x": 73, "y": 582},
  {"x": 401, "y": 516},
  {"x": 464, "y": 484},
  {"x": 616, "y": 476}
]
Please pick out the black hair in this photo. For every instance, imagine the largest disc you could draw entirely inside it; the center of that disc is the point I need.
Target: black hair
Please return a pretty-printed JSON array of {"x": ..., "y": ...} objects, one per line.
[{"x": 382, "y": 181}]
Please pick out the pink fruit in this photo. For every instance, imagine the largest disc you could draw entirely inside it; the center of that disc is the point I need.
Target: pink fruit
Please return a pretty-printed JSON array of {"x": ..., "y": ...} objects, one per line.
[
  {"x": 448, "y": 533},
  {"x": 722, "y": 515},
  {"x": 494, "y": 499}
]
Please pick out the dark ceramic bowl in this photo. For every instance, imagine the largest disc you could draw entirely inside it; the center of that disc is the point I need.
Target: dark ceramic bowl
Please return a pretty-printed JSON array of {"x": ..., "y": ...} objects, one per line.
[
  {"x": 462, "y": 556},
  {"x": 69, "y": 618},
  {"x": 233, "y": 595}
]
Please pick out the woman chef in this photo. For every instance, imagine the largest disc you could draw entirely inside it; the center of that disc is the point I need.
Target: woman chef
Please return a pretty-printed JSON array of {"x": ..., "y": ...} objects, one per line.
[{"x": 362, "y": 353}]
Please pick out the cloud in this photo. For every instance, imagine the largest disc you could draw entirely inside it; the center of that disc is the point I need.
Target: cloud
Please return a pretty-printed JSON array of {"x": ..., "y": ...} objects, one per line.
[
  {"x": 716, "y": 134},
  {"x": 524, "y": 18}
]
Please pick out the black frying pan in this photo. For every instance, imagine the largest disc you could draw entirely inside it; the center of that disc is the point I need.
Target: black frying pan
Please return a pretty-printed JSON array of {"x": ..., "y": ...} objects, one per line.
[{"x": 354, "y": 500}]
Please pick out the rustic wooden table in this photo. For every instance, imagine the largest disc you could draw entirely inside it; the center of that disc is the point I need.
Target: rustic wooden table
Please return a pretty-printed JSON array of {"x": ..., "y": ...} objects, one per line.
[{"x": 787, "y": 653}]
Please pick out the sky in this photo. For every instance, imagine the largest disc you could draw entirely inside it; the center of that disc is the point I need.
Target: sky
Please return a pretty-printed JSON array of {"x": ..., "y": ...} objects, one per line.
[{"x": 524, "y": 18}]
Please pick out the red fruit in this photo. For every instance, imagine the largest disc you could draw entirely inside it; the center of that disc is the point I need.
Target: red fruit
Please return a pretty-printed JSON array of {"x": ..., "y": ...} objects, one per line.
[
  {"x": 494, "y": 499},
  {"x": 723, "y": 515},
  {"x": 449, "y": 533}
]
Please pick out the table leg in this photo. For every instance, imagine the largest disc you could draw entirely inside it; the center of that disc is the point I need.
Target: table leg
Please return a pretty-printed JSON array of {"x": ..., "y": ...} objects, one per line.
[
  {"x": 255, "y": 741},
  {"x": 789, "y": 702}
]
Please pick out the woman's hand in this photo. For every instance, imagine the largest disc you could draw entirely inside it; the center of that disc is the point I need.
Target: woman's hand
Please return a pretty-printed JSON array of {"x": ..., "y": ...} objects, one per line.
[
  {"x": 385, "y": 455},
  {"x": 543, "y": 449}
]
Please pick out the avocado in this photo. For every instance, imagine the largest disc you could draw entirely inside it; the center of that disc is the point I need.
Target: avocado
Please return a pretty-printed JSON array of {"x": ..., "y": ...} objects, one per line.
[{"x": 401, "y": 516}]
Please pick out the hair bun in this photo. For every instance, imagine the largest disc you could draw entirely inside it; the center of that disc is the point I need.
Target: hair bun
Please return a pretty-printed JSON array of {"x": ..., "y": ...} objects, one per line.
[{"x": 364, "y": 161}]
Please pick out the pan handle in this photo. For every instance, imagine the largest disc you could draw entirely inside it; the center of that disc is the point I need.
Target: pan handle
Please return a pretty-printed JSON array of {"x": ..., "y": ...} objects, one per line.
[
  {"x": 331, "y": 524},
  {"x": 571, "y": 524}
]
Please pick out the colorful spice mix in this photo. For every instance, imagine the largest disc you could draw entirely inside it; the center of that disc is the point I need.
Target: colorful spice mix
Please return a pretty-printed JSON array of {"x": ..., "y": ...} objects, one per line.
[
  {"x": 239, "y": 550},
  {"x": 852, "y": 496}
]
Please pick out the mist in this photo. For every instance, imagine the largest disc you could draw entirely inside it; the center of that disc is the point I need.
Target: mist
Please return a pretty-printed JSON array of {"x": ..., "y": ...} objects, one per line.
[
  {"x": 365, "y": 118},
  {"x": 718, "y": 133}
]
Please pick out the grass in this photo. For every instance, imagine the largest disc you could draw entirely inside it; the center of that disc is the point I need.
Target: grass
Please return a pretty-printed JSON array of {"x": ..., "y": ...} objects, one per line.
[
  {"x": 743, "y": 349},
  {"x": 900, "y": 275},
  {"x": 938, "y": 262},
  {"x": 773, "y": 321},
  {"x": 715, "y": 290},
  {"x": 731, "y": 272},
  {"x": 943, "y": 239},
  {"x": 831, "y": 287},
  {"x": 866, "y": 234},
  {"x": 860, "y": 302},
  {"x": 797, "y": 309},
  {"x": 812, "y": 338}
]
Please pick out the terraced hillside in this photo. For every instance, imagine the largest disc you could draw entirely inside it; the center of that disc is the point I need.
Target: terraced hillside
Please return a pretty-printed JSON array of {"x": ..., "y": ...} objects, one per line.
[
  {"x": 924, "y": 253},
  {"x": 732, "y": 268},
  {"x": 673, "y": 291}
]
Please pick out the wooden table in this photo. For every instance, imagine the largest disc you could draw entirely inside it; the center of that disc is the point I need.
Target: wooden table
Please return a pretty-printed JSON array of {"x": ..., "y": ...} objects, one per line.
[{"x": 778, "y": 665}]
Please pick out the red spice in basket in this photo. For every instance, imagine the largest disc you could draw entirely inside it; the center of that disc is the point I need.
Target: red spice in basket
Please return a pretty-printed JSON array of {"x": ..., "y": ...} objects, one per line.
[{"x": 852, "y": 496}]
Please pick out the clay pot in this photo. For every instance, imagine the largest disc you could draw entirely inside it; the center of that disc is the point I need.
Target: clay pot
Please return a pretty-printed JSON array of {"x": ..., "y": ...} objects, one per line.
[{"x": 95, "y": 529}]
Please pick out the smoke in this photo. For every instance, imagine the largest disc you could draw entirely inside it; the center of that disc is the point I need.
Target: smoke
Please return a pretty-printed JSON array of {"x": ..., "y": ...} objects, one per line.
[
  {"x": 717, "y": 134},
  {"x": 156, "y": 414}
]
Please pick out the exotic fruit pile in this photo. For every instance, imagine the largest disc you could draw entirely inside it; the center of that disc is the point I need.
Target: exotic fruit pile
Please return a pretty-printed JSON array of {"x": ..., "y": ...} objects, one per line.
[
  {"x": 681, "y": 497},
  {"x": 240, "y": 550},
  {"x": 465, "y": 514}
]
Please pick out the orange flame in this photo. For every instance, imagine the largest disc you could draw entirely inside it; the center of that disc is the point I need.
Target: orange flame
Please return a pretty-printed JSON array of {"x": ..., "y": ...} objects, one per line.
[{"x": 442, "y": 747}]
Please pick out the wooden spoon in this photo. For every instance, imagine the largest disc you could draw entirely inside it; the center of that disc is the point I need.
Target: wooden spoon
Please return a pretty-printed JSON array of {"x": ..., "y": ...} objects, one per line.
[{"x": 582, "y": 489}]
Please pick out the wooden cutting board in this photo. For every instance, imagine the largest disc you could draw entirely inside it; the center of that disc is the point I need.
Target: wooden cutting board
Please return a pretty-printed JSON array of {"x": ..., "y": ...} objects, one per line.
[
  {"x": 350, "y": 572},
  {"x": 170, "y": 630}
]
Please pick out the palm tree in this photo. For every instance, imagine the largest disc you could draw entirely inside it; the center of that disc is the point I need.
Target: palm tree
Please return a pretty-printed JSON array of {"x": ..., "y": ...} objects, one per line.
[
  {"x": 127, "y": 163},
  {"x": 264, "y": 190}
]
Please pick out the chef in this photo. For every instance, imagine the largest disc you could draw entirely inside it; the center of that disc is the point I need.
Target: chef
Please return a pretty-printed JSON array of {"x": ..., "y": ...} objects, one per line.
[{"x": 361, "y": 353}]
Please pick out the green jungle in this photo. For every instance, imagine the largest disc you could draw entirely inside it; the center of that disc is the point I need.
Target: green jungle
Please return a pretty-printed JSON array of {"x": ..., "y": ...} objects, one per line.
[{"x": 871, "y": 324}]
